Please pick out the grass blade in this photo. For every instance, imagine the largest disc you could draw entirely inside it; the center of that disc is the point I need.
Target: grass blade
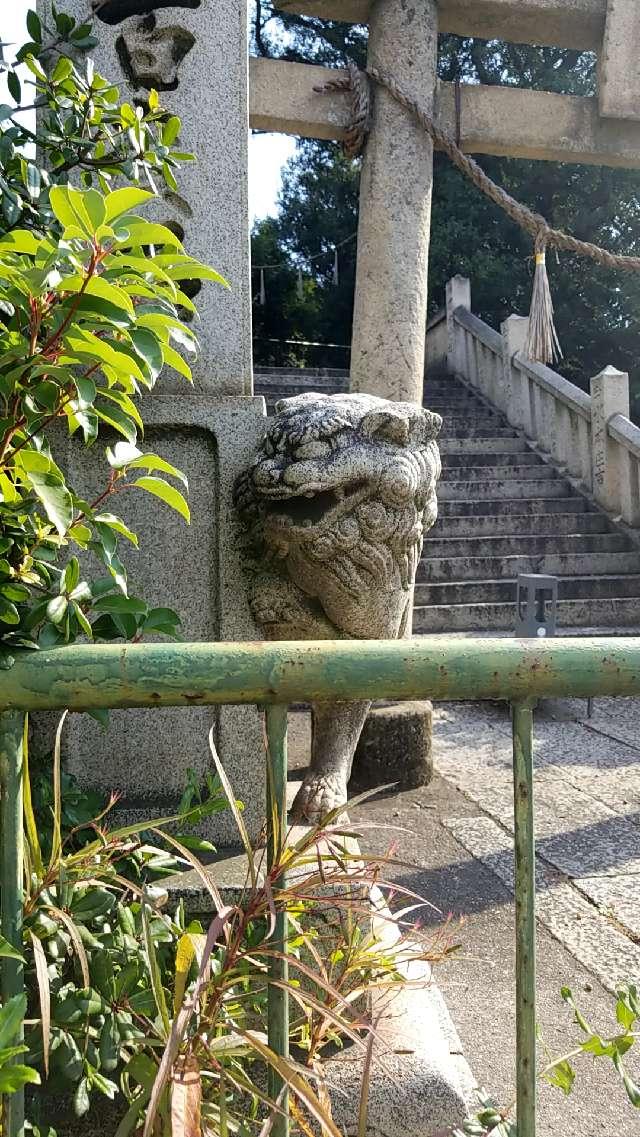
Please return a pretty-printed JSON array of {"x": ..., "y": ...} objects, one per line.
[
  {"x": 30, "y": 824},
  {"x": 186, "y": 1099},
  {"x": 154, "y": 970},
  {"x": 181, "y": 1022},
  {"x": 44, "y": 991},
  {"x": 233, "y": 806},
  {"x": 56, "y": 844},
  {"x": 77, "y": 942}
]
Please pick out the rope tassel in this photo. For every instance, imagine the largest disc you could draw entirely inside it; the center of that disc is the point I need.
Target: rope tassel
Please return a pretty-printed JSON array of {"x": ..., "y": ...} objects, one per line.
[{"x": 543, "y": 345}]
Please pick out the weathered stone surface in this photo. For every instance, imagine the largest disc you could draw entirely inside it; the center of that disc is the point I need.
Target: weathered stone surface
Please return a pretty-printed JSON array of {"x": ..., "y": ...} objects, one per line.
[
  {"x": 195, "y": 569},
  {"x": 395, "y": 747},
  {"x": 337, "y": 502},
  {"x": 390, "y": 303},
  {"x": 199, "y": 66},
  {"x": 568, "y": 23},
  {"x": 619, "y": 74}
]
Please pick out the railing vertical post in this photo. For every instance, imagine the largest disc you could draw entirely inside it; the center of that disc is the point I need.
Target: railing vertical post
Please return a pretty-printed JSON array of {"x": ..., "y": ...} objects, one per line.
[
  {"x": 609, "y": 397},
  {"x": 278, "y": 1002},
  {"x": 525, "y": 889},
  {"x": 458, "y": 295},
  {"x": 11, "y": 882},
  {"x": 515, "y": 330}
]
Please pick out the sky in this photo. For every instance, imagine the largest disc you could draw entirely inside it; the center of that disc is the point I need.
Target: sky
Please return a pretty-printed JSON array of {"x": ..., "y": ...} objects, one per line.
[{"x": 267, "y": 152}]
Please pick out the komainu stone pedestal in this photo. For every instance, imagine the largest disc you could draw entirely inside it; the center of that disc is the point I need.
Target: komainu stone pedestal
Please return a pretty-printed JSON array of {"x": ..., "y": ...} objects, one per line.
[{"x": 395, "y": 747}]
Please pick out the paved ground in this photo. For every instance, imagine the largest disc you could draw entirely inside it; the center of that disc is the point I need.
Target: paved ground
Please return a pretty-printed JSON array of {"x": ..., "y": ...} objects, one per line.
[{"x": 457, "y": 834}]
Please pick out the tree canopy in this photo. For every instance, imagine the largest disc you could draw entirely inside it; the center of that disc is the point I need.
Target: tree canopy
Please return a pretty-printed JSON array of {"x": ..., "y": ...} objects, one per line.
[{"x": 596, "y": 309}]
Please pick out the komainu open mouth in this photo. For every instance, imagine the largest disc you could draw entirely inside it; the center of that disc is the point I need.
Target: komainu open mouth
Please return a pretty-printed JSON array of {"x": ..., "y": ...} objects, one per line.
[{"x": 305, "y": 509}]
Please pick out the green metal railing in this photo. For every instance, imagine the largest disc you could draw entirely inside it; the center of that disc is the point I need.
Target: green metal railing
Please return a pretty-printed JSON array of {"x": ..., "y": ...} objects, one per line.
[{"x": 276, "y": 674}]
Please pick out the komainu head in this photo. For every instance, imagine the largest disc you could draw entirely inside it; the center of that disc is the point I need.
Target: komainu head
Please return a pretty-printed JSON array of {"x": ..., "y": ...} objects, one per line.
[{"x": 338, "y": 497}]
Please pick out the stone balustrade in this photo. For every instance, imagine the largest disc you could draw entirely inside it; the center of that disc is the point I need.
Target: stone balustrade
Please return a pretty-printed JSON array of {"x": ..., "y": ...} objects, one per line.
[{"x": 589, "y": 436}]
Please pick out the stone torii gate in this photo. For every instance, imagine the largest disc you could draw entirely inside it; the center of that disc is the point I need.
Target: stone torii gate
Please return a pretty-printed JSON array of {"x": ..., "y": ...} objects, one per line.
[{"x": 393, "y": 236}]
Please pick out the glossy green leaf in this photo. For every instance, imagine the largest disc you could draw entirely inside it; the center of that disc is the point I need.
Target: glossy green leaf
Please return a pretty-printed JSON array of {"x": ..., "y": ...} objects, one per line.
[
  {"x": 33, "y": 181},
  {"x": 21, "y": 241},
  {"x": 117, "y": 525},
  {"x": 12, "y": 1014},
  {"x": 175, "y": 360},
  {"x": 124, "y": 200},
  {"x": 9, "y": 952},
  {"x": 112, "y": 415},
  {"x": 148, "y": 348},
  {"x": 136, "y": 232},
  {"x": 13, "y": 1078},
  {"x": 55, "y": 498},
  {"x": 8, "y": 612},
  {"x": 121, "y": 454},
  {"x": 86, "y": 389},
  {"x": 170, "y": 130},
  {"x": 154, "y": 462},
  {"x": 34, "y": 27},
  {"x": 119, "y": 604},
  {"x": 166, "y": 493},
  {"x": 62, "y": 70},
  {"x": 57, "y": 609},
  {"x": 65, "y": 212},
  {"x": 97, "y": 286},
  {"x": 154, "y": 971},
  {"x": 95, "y": 206}
]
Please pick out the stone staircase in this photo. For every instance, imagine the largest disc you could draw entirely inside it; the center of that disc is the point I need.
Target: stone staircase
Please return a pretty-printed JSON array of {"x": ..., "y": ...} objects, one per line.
[{"x": 503, "y": 510}]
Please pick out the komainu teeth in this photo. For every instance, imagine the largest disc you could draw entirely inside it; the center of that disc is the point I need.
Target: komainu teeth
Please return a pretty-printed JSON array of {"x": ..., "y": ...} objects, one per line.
[{"x": 309, "y": 495}]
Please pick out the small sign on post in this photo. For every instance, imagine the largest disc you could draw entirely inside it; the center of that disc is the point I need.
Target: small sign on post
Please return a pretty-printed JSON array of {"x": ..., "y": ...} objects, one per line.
[{"x": 536, "y": 605}]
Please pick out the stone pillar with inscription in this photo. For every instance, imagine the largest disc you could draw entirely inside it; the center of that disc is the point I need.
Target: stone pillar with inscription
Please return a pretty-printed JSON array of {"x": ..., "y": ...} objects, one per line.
[{"x": 195, "y": 55}]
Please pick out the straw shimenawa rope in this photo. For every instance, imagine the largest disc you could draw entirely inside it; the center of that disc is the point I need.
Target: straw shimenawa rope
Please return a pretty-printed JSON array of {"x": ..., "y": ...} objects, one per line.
[{"x": 543, "y": 343}]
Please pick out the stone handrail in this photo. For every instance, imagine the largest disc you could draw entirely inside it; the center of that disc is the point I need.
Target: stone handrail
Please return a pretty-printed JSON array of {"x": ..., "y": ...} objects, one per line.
[
  {"x": 478, "y": 328},
  {"x": 589, "y": 437}
]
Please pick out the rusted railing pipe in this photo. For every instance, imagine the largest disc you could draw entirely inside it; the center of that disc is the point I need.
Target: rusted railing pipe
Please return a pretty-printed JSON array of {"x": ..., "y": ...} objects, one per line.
[{"x": 147, "y": 675}]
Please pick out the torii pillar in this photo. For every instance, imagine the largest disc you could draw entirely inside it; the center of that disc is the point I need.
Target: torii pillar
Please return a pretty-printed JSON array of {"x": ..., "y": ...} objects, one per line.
[{"x": 388, "y": 344}]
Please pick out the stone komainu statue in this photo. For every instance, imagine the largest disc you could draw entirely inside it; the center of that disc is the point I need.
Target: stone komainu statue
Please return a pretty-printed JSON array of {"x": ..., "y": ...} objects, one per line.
[{"x": 336, "y": 504}]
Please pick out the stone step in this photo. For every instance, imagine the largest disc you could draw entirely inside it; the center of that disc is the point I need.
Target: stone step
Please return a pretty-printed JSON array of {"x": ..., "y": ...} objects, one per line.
[
  {"x": 491, "y": 447},
  {"x": 461, "y": 507},
  {"x": 275, "y": 386},
  {"x": 443, "y": 385},
  {"x": 478, "y": 418},
  {"x": 490, "y": 491},
  {"x": 457, "y": 404},
  {"x": 615, "y": 612},
  {"x": 448, "y": 570},
  {"x": 571, "y": 516},
  {"x": 471, "y": 432},
  {"x": 474, "y": 458},
  {"x": 527, "y": 544},
  {"x": 498, "y": 473},
  {"x": 493, "y": 591}
]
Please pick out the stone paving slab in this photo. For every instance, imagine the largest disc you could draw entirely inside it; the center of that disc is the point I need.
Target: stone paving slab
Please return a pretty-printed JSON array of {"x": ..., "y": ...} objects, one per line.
[
  {"x": 582, "y": 833},
  {"x": 589, "y": 936},
  {"x": 587, "y": 817},
  {"x": 618, "y": 897}
]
